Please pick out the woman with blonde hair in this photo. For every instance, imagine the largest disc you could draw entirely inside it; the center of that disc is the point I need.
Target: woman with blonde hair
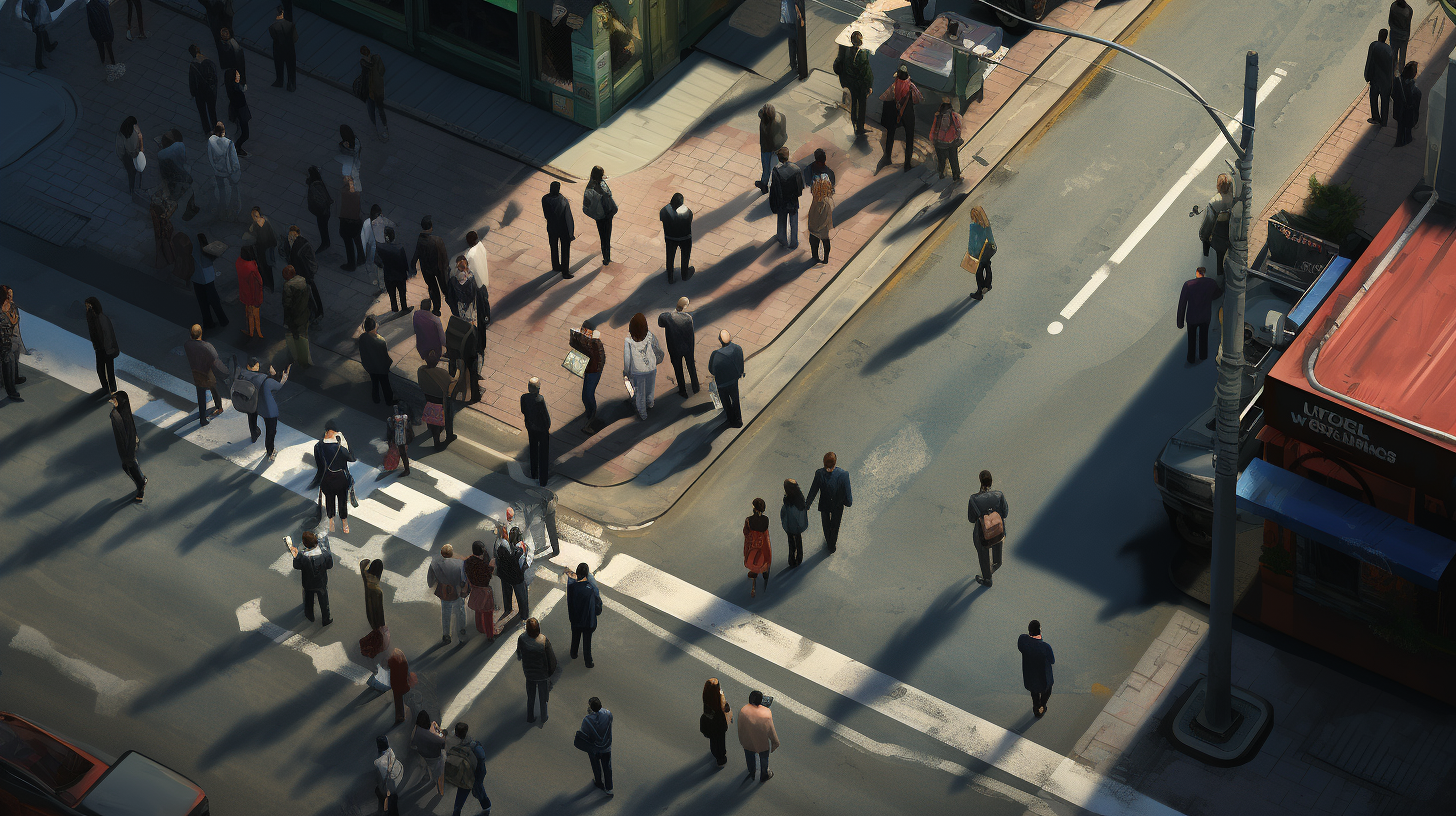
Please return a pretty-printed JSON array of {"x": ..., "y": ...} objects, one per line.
[
  {"x": 821, "y": 216},
  {"x": 1214, "y": 231},
  {"x": 981, "y": 245},
  {"x": 641, "y": 355},
  {"x": 714, "y": 722}
]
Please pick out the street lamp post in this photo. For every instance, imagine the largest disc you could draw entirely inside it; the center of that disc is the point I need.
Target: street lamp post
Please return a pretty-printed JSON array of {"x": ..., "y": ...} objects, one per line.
[{"x": 1214, "y": 721}]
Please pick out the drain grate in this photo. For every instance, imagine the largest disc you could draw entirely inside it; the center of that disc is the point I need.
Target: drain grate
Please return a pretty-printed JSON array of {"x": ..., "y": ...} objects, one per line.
[
  {"x": 42, "y": 219},
  {"x": 1374, "y": 747}
]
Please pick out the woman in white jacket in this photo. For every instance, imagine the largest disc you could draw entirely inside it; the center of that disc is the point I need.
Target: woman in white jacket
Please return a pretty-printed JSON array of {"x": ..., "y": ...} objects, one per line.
[{"x": 641, "y": 355}]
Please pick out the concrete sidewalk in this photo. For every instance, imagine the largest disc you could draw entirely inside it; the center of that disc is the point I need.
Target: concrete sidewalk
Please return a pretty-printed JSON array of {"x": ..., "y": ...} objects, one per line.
[{"x": 777, "y": 303}]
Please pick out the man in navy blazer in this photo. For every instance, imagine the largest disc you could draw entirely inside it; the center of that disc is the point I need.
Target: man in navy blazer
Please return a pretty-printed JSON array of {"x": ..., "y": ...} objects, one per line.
[
  {"x": 835, "y": 484},
  {"x": 1036, "y": 666},
  {"x": 1195, "y": 307},
  {"x": 583, "y": 604}
]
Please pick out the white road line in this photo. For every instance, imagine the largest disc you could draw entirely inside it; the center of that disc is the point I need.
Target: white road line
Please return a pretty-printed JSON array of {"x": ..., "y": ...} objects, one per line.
[
  {"x": 844, "y": 734},
  {"x": 408, "y": 587},
  {"x": 112, "y": 692},
  {"x": 504, "y": 654},
  {"x": 1159, "y": 210},
  {"x": 819, "y": 664},
  {"x": 330, "y": 658}
]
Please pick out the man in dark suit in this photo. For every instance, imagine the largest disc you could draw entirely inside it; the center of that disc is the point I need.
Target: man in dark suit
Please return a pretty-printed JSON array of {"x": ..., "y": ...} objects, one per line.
[
  {"x": 315, "y": 564},
  {"x": 232, "y": 56},
  {"x": 1036, "y": 666},
  {"x": 432, "y": 261},
  {"x": 303, "y": 261},
  {"x": 835, "y": 484},
  {"x": 583, "y": 604},
  {"x": 677, "y": 232},
  {"x": 984, "y": 502},
  {"x": 1380, "y": 73},
  {"x": 395, "y": 266},
  {"x": 219, "y": 16},
  {"x": 678, "y": 329},
  {"x": 374, "y": 355},
  {"x": 202, "y": 86},
  {"x": 560, "y": 229},
  {"x": 725, "y": 365},
  {"x": 538, "y": 431},
  {"x": 285, "y": 56},
  {"x": 1195, "y": 307}
]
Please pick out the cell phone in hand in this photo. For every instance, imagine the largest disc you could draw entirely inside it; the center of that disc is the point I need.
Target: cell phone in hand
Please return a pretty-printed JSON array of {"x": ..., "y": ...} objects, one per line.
[
  {"x": 288, "y": 543},
  {"x": 767, "y": 702}
]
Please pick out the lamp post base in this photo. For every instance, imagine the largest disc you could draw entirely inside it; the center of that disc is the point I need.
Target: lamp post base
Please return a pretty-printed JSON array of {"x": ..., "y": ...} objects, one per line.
[{"x": 1252, "y": 720}]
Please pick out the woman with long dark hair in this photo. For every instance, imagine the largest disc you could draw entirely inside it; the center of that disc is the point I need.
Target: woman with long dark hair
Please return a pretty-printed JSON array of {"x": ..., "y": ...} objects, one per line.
[
  {"x": 715, "y": 719},
  {"x": 123, "y": 426},
  {"x": 794, "y": 515},
  {"x": 598, "y": 204}
]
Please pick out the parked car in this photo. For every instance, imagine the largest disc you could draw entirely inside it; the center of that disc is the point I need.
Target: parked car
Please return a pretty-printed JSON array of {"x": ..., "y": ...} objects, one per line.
[
  {"x": 1034, "y": 10},
  {"x": 42, "y": 774}
]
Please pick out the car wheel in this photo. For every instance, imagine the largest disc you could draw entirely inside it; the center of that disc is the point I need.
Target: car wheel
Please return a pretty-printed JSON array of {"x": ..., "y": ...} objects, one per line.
[
  {"x": 1007, "y": 21},
  {"x": 1035, "y": 9},
  {"x": 1187, "y": 530}
]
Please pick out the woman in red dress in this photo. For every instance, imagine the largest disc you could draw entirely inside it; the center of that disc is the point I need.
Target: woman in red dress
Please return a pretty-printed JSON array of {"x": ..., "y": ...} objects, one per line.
[{"x": 756, "y": 553}]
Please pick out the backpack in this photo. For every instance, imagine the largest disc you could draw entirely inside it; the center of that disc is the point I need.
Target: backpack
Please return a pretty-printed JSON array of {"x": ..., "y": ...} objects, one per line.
[
  {"x": 245, "y": 395},
  {"x": 991, "y": 526},
  {"x": 456, "y": 335},
  {"x": 460, "y": 765}
]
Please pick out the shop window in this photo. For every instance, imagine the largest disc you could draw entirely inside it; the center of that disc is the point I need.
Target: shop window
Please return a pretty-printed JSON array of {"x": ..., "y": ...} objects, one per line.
[
  {"x": 395, "y": 7},
  {"x": 553, "y": 52},
  {"x": 625, "y": 27},
  {"x": 487, "y": 26},
  {"x": 1328, "y": 568}
]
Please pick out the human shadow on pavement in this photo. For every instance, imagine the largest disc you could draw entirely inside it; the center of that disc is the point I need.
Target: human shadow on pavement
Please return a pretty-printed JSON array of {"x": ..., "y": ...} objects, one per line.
[
  {"x": 209, "y": 666},
  {"x": 654, "y": 295},
  {"x": 911, "y": 644},
  {"x": 724, "y": 112},
  {"x": 704, "y": 224},
  {"x": 922, "y": 333},
  {"x": 522, "y": 295},
  {"x": 44, "y": 544},
  {"x": 565, "y": 804},
  {"x": 686, "y": 450},
  {"x": 929, "y": 215},
  {"x": 874, "y": 194},
  {"x": 659, "y": 797}
]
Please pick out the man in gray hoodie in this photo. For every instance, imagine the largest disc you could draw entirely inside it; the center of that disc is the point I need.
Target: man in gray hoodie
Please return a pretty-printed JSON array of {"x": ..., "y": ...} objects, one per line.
[{"x": 222, "y": 155}]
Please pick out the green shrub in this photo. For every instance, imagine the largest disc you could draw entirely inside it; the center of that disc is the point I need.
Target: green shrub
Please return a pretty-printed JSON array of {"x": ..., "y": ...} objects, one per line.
[{"x": 1332, "y": 210}]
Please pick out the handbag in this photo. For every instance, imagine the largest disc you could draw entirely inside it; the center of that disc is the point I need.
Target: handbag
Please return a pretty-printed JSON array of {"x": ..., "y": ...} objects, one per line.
[
  {"x": 372, "y": 644},
  {"x": 139, "y": 161},
  {"x": 575, "y": 362},
  {"x": 434, "y": 414},
  {"x": 582, "y": 742},
  {"x": 391, "y": 458}
]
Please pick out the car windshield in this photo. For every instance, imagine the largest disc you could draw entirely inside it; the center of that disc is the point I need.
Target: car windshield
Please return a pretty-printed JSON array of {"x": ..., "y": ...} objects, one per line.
[{"x": 55, "y": 765}]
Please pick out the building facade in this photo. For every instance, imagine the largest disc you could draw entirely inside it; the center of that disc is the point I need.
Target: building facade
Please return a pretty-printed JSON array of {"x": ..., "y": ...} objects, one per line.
[{"x": 581, "y": 59}]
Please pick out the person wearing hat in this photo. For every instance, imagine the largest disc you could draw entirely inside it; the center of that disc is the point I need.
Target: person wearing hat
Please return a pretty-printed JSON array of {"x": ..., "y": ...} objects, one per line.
[
  {"x": 204, "y": 281},
  {"x": 432, "y": 261},
  {"x": 203, "y": 360},
  {"x": 267, "y": 403},
  {"x": 898, "y": 110}
]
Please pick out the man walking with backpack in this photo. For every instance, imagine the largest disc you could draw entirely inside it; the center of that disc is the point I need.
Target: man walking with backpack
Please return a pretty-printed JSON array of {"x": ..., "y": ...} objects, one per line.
[
  {"x": 256, "y": 394},
  {"x": 987, "y": 513},
  {"x": 315, "y": 564},
  {"x": 447, "y": 578},
  {"x": 465, "y": 769}
]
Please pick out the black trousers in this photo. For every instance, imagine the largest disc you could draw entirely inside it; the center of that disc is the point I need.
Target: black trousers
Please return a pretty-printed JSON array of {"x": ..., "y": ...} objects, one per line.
[
  {"x": 134, "y": 470},
  {"x": 337, "y": 501},
  {"x": 718, "y": 747},
  {"x": 315, "y": 298},
  {"x": 831, "y": 519},
  {"x": 472, "y": 376},
  {"x": 814, "y": 242},
  {"x": 350, "y": 232},
  {"x": 678, "y": 361},
  {"x": 265, "y": 270},
  {"x": 604, "y": 232},
  {"x": 42, "y": 42},
  {"x": 857, "y": 104},
  {"x": 1039, "y": 698},
  {"x": 918, "y": 7},
  {"x": 207, "y": 112},
  {"x": 323, "y": 228},
  {"x": 560, "y": 253},
  {"x": 796, "y": 549},
  {"x": 601, "y": 765},
  {"x": 533, "y": 688},
  {"x": 539, "y": 443},
  {"x": 270, "y": 424},
  {"x": 433, "y": 284},
  {"x": 285, "y": 62},
  {"x": 104, "y": 49},
  {"x": 242, "y": 134},
  {"x": 380, "y": 383},
  {"x": 1197, "y": 341},
  {"x": 397, "y": 300},
  {"x": 582, "y": 637},
  {"x": 989, "y": 558},
  {"x": 1379, "y": 105},
  {"x": 106, "y": 371},
  {"x": 10, "y": 373},
  {"x": 891, "y": 121},
  {"x": 323, "y": 602},
  {"x": 731, "y": 408},
  {"x": 209, "y": 304},
  {"x": 983, "y": 275},
  {"x": 686, "y": 247},
  {"x": 202, "y": 401}
]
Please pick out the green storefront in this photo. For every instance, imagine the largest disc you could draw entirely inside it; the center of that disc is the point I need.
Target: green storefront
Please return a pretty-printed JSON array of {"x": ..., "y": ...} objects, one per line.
[{"x": 582, "y": 59}]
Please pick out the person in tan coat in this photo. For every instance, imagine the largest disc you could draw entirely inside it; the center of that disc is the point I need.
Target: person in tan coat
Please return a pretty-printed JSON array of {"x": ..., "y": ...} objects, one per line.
[
  {"x": 756, "y": 734},
  {"x": 821, "y": 216}
]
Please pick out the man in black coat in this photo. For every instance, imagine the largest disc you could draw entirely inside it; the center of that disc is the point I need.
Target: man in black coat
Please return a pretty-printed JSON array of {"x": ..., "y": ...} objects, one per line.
[
  {"x": 103, "y": 342},
  {"x": 202, "y": 85},
  {"x": 982, "y": 504},
  {"x": 432, "y": 261},
  {"x": 285, "y": 56},
  {"x": 834, "y": 482},
  {"x": 1036, "y": 666},
  {"x": 219, "y": 16},
  {"x": 1195, "y": 307},
  {"x": 678, "y": 329},
  {"x": 560, "y": 229},
  {"x": 374, "y": 355},
  {"x": 1380, "y": 73},
  {"x": 315, "y": 564},
  {"x": 123, "y": 427},
  {"x": 677, "y": 231},
  {"x": 395, "y": 266},
  {"x": 232, "y": 57},
  {"x": 464, "y": 351},
  {"x": 301, "y": 257},
  {"x": 538, "y": 431},
  {"x": 725, "y": 366},
  {"x": 785, "y": 187}
]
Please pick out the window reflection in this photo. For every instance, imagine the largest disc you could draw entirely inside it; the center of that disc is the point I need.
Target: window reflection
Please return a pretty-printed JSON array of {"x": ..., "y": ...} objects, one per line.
[{"x": 477, "y": 24}]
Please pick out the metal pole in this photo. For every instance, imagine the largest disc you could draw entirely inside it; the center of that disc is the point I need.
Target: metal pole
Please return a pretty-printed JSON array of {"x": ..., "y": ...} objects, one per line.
[{"x": 1216, "y": 713}]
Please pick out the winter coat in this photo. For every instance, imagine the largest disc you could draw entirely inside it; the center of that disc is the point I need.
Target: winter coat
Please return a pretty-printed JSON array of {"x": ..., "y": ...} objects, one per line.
[
  {"x": 394, "y": 262},
  {"x": 677, "y": 331},
  {"x": 98, "y": 20},
  {"x": 232, "y": 57},
  {"x": 123, "y": 427},
  {"x": 332, "y": 458},
  {"x": 429, "y": 333},
  {"x": 538, "y": 659},
  {"x": 795, "y": 520},
  {"x": 1036, "y": 663},
  {"x": 821, "y": 209},
  {"x": 374, "y": 354},
  {"x": 1212, "y": 231},
  {"x": 128, "y": 146},
  {"x": 237, "y": 103},
  {"x": 856, "y": 74},
  {"x": 373, "y": 599},
  {"x": 773, "y": 134},
  {"x": 535, "y": 412},
  {"x": 296, "y": 309},
  {"x": 103, "y": 334},
  {"x": 597, "y": 726},
  {"x": 301, "y": 257},
  {"x": 319, "y": 201},
  {"x": 203, "y": 360},
  {"x": 557, "y": 210},
  {"x": 315, "y": 565},
  {"x": 785, "y": 186},
  {"x": 202, "y": 79},
  {"x": 1195, "y": 302},
  {"x": 583, "y": 600},
  {"x": 250, "y": 283},
  {"x": 757, "y": 554},
  {"x": 598, "y": 204},
  {"x": 1407, "y": 103},
  {"x": 1380, "y": 67},
  {"x": 1400, "y": 22},
  {"x": 677, "y": 223}
]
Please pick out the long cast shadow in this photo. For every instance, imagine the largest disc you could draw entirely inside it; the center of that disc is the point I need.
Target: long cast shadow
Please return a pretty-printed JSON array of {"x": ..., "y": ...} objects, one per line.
[{"x": 920, "y": 334}]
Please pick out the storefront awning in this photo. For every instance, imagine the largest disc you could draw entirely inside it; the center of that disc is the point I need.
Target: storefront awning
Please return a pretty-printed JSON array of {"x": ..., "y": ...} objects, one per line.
[
  {"x": 1348, "y": 525},
  {"x": 1318, "y": 291}
]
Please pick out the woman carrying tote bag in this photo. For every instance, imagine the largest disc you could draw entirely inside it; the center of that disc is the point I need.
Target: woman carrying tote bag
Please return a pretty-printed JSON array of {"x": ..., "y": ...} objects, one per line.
[{"x": 641, "y": 355}]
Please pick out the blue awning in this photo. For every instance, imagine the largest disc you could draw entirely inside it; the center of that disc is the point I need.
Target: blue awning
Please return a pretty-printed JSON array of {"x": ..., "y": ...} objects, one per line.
[
  {"x": 1350, "y": 526},
  {"x": 1319, "y": 290}
]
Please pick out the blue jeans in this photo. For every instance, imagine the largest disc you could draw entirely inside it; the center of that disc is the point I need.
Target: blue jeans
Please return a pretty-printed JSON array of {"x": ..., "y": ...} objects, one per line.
[
  {"x": 589, "y": 393},
  {"x": 454, "y": 609},
  {"x": 789, "y": 228},
  {"x": 768, "y": 159},
  {"x": 461, "y": 794},
  {"x": 762, "y": 760}
]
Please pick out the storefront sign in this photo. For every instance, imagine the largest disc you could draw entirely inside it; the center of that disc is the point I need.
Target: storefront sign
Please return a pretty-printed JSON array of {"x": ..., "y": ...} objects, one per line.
[{"x": 562, "y": 105}]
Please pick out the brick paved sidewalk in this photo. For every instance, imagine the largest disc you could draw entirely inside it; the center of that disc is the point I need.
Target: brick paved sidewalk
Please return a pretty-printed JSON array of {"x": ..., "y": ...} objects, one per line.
[{"x": 745, "y": 282}]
